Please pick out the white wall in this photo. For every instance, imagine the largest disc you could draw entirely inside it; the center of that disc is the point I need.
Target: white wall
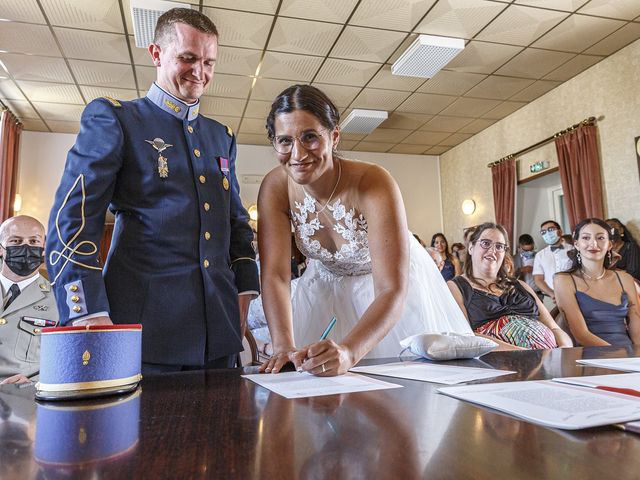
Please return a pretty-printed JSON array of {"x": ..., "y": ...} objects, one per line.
[
  {"x": 533, "y": 206},
  {"x": 42, "y": 158}
]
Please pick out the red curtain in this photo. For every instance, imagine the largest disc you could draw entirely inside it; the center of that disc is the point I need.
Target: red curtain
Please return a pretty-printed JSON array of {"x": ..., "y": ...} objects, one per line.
[
  {"x": 10, "y": 130},
  {"x": 504, "y": 194},
  {"x": 579, "y": 162}
]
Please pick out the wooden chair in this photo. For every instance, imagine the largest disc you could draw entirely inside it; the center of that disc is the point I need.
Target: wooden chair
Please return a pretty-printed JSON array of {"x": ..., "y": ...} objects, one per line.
[{"x": 250, "y": 346}]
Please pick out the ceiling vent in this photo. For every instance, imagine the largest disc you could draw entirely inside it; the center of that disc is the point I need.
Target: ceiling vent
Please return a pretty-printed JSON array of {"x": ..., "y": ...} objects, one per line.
[
  {"x": 363, "y": 121},
  {"x": 426, "y": 56},
  {"x": 145, "y": 14}
]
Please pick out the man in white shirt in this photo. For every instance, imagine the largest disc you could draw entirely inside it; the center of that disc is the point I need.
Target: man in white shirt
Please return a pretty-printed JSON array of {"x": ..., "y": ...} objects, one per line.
[
  {"x": 551, "y": 259},
  {"x": 28, "y": 305}
]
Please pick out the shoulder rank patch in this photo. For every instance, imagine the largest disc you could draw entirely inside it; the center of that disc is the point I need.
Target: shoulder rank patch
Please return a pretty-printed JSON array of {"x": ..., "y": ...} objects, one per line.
[
  {"x": 113, "y": 101},
  {"x": 229, "y": 131}
]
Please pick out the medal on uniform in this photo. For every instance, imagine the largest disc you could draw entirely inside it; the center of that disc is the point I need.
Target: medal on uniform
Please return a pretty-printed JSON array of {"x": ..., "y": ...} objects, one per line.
[
  {"x": 224, "y": 168},
  {"x": 160, "y": 146}
]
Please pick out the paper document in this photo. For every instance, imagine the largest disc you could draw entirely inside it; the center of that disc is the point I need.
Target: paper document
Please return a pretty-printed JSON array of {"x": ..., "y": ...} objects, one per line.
[
  {"x": 625, "y": 364},
  {"x": 301, "y": 385},
  {"x": 621, "y": 380},
  {"x": 429, "y": 372},
  {"x": 552, "y": 404}
]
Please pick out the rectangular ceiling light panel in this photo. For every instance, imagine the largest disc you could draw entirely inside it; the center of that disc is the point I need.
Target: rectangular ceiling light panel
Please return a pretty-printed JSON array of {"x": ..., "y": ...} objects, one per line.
[
  {"x": 363, "y": 121},
  {"x": 145, "y": 14},
  {"x": 427, "y": 55}
]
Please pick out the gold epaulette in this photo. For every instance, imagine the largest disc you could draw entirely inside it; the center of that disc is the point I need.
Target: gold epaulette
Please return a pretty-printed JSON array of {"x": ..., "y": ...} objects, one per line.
[
  {"x": 113, "y": 101},
  {"x": 229, "y": 131}
]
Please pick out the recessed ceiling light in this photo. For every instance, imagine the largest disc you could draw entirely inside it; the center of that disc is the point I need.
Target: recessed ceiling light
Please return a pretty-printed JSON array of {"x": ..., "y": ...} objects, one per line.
[
  {"x": 426, "y": 56},
  {"x": 145, "y": 14},
  {"x": 363, "y": 121}
]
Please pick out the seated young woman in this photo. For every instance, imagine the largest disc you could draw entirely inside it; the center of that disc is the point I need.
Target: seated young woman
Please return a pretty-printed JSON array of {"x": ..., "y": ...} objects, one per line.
[
  {"x": 599, "y": 303},
  {"x": 497, "y": 305}
]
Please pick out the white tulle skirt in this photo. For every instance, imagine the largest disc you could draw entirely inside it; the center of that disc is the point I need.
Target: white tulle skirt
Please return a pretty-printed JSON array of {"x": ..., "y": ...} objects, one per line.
[{"x": 321, "y": 295}]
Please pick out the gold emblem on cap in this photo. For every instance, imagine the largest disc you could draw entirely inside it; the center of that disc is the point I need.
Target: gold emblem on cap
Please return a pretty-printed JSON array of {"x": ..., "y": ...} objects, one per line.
[
  {"x": 225, "y": 183},
  {"x": 86, "y": 356},
  {"x": 77, "y": 309},
  {"x": 73, "y": 288}
]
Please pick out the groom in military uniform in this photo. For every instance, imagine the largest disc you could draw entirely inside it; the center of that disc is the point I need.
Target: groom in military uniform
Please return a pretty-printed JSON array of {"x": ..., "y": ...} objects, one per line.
[
  {"x": 181, "y": 261},
  {"x": 28, "y": 305}
]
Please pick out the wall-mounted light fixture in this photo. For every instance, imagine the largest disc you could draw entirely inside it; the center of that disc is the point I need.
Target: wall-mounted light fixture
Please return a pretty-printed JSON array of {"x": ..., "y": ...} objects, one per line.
[
  {"x": 253, "y": 212},
  {"x": 468, "y": 206},
  {"x": 17, "y": 203}
]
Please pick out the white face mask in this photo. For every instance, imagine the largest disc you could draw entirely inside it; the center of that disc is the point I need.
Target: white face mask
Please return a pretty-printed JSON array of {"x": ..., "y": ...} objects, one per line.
[{"x": 551, "y": 237}]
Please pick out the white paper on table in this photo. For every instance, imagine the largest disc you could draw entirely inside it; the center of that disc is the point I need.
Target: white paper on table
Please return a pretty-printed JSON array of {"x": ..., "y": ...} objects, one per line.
[
  {"x": 551, "y": 404},
  {"x": 429, "y": 372},
  {"x": 625, "y": 364},
  {"x": 619, "y": 380},
  {"x": 302, "y": 384}
]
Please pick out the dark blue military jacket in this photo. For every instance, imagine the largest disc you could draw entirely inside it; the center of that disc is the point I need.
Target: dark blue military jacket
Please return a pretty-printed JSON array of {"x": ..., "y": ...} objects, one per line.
[{"x": 181, "y": 248}]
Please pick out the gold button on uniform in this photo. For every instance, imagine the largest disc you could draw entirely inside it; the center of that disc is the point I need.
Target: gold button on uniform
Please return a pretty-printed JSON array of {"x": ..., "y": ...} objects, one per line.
[
  {"x": 206, "y": 206},
  {"x": 36, "y": 330},
  {"x": 3, "y": 321},
  {"x": 75, "y": 299},
  {"x": 206, "y": 263},
  {"x": 189, "y": 129},
  {"x": 207, "y": 235},
  {"x": 202, "y": 178},
  {"x": 76, "y": 309},
  {"x": 73, "y": 288},
  {"x": 196, "y": 152}
]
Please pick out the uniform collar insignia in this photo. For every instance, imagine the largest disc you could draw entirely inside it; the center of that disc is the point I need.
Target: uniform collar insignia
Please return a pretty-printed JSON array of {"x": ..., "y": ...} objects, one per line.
[{"x": 172, "y": 105}]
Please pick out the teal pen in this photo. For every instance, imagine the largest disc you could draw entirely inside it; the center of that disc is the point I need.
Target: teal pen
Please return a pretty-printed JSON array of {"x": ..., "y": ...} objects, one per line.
[
  {"x": 327, "y": 330},
  {"x": 324, "y": 335}
]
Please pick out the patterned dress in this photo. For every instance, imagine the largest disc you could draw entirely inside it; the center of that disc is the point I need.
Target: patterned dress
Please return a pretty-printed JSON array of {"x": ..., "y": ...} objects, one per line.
[{"x": 338, "y": 280}]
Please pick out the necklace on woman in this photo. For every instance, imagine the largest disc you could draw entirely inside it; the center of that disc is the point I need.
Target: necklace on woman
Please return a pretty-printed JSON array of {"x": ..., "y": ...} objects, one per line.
[
  {"x": 599, "y": 277},
  {"x": 332, "y": 191}
]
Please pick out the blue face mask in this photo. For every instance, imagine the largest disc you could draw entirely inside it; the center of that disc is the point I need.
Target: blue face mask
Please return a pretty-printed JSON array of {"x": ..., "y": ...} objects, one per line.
[
  {"x": 528, "y": 255},
  {"x": 550, "y": 237}
]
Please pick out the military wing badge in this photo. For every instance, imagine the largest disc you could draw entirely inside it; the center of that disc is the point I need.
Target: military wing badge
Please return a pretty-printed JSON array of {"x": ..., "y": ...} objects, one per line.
[{"x": 160, "y": 146}]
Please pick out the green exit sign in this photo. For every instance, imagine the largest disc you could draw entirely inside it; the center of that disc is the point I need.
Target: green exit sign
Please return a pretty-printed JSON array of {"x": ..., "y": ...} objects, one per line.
[{"x": 538, "y": 166}]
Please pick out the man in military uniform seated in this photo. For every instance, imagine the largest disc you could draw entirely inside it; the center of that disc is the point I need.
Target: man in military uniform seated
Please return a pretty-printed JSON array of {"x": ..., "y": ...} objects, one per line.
[
  {"x": 27, "y": 302},
  {"x": 181, "y": 261}
]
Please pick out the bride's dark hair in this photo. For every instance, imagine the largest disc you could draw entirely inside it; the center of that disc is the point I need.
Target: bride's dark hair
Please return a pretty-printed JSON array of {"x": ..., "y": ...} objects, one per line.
[{"x": 303, "y": 97}]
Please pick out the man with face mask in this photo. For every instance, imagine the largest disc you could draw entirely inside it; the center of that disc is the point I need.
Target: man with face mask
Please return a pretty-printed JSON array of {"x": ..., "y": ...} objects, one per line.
[
  {"x": 551, "y": 259},
  {"x": 28, "y": 305}
]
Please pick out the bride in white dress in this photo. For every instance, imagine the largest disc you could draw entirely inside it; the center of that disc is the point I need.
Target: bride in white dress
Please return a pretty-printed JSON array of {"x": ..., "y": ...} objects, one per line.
[{"x": 364, "y": 267}]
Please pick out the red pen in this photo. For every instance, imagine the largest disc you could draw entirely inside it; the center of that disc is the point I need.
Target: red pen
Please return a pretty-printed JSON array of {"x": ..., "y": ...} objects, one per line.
[{"x": 626, "y": 391}]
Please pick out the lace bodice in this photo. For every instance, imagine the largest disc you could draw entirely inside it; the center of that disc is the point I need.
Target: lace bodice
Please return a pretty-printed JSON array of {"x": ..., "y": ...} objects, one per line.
[{"x": 351, "y": 257}]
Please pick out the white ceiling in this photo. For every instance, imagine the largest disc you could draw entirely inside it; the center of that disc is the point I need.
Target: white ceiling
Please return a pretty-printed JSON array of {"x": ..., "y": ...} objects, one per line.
[{"x": 60, "y": 54}]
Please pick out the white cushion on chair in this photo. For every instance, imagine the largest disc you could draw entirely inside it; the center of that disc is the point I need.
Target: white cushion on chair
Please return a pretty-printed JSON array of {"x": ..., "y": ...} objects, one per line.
[{"x": 447, "y": 346}]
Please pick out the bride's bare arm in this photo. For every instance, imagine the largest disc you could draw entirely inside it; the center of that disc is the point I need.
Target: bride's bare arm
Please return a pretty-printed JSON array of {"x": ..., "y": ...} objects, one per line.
[
  {"x": 380, "y": 201},
  {"x": 274, "y": 244}
]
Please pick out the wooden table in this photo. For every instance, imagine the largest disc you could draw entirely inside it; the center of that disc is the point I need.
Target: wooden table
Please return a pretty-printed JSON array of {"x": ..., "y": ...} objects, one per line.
[{"x": 214, "y": 424}]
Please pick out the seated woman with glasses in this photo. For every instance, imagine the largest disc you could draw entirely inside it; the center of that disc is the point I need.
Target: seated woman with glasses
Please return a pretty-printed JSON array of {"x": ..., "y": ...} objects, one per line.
[
  {"x": 599, "y": 303},
  {"x": 363, "y": 266},
  {"x": 497, "y": 305}
]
